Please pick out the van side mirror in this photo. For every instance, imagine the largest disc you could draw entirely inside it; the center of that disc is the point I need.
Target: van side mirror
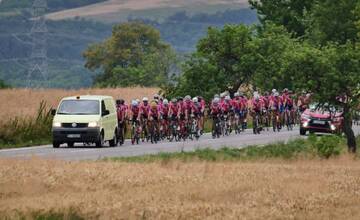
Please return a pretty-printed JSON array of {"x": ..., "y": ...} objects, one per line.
[
  {"x": 106, "y": 112},
  {"x": 53, "y": 112}
]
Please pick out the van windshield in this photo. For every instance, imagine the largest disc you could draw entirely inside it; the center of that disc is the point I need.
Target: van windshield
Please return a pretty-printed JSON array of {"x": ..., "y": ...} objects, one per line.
[{"x": 79, "y": 107}]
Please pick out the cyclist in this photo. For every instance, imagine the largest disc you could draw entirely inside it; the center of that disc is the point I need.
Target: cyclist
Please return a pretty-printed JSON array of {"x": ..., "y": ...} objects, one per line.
[
  {"x": 256, "y": 107},
  {"x": 236, "y": 107},
  {"x": 275, "y": 104},
  {"x": 164, "y": 110},
  {"x": 181, "y": 117},
  {"x": 121, "y": 110},
  {"x": 215, "y": 111},
  {"x": 266, "y": 113},
  {"x": 244, "y": 110},
  {"x": 144, "y": 115},
  {"x": 202, "y": 114},
  {"x": 153, "y": 117}
]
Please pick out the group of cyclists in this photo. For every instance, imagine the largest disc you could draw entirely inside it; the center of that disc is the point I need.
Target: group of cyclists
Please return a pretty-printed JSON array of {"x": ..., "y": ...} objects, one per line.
[{"x": 183, "y": 118}]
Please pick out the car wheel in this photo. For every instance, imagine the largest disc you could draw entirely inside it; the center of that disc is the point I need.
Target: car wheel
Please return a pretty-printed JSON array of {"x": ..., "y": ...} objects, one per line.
[
  {"x": 56, "y": 145},
  {"x": 70, "y": 144},
  {"x": 100, "y": 142},
  {"x": 302, "y": 131},
  {"x": 114, "y": 141}
]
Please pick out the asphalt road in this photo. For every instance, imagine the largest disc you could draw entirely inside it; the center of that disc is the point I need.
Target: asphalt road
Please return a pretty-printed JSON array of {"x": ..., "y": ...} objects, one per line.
[{"x": 81, "y": 152}]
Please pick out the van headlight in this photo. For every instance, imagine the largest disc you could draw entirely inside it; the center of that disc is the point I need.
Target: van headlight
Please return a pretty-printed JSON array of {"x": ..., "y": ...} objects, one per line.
[
  {"x": 56, "y": 124},
  {"x": 93, "y": 124}
]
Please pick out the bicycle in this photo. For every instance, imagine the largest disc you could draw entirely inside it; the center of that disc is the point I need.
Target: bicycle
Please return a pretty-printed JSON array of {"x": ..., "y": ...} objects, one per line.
[
  {"x": 276, "y": 121},
  {"x": 266, "y": 118},
  {"x": 174, "y": 130},
  {"x": 194, "y": 129},
  {"x": 288, "y": 119},
  {"x": 237, "y": 127},
  {"x": 144, "y": 130},
  {"x": 216, "y": 127},
  {"x": 121, "y": 132},
  {"x": 256, "y": 123},
  {"x": 135, "y": 132},
  {"x": 154, "y": 135}
]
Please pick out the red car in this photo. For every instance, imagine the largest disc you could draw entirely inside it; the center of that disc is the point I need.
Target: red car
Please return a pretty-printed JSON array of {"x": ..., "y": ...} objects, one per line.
[{"x": 321, "y": 119}]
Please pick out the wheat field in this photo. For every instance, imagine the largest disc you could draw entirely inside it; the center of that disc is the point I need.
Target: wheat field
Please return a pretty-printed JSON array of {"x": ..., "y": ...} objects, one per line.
[
  {"x": 25, "y": 102},
  {"x": 303, "y": 189}
]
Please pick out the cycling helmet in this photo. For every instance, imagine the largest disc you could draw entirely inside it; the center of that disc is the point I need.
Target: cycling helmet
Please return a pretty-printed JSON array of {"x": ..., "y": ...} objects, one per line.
[
  {"x": 273, "y": 91},
  {"x": 285, "y": 90},
  {"x": 180, "y": 99},
  {"x": 276, "y": 94},
  {"x": 153, "y": 105},
  {"x": 216, "y": 96},
  {"x": 134, "y": 103},
  {"x": 200, "y": 98},
  {"x": 187, "y": 98},
  {"x": 227, "y": 98},
  {"x": 216, "y": 100},
  {"x": 174, "y": 101},
  {"x": 166, "y": 102},
  {"x": 222, "y": 95},
  {"x": 195, "y": 100},
  {"x": 266, "y": 93},
  {"x": 145, "y": 99},
  {"x": 237, "y": 94},
  {"x": 118, "y": 102},
  {"x": 308, "y": 95},
  {"x": 138, "y": 101},
  {"x": 156, "y": 96}
]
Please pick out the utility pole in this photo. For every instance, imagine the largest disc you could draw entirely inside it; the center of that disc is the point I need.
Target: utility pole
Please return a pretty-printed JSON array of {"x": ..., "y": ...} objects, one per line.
[{"x": 38, "y": 69}]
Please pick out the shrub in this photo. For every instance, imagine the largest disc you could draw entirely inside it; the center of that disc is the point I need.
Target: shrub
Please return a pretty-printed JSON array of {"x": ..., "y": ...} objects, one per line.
[
  {"x": 327, "y": 146},
  {"x": 27, "y": 131}
]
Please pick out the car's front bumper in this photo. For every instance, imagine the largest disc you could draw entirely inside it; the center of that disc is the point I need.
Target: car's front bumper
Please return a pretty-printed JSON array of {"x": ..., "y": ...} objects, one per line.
[{"x": 75, "y": 135}]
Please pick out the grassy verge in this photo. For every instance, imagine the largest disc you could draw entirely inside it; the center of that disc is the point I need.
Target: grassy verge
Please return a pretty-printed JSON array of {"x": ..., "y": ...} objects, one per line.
[
  {"x": 323, "y": 147},
  {"x": 23, "y": 132}
]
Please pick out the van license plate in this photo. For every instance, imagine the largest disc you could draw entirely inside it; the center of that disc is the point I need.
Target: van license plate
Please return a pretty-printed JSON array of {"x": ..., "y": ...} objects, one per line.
[
  {"x": 319, "y": 122},
  {"x": 73, "y": 135}
]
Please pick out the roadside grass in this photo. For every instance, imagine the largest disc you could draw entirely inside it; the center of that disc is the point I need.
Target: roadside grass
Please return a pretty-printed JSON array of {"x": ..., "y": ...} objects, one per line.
[
  {"x": 30, "y": 131},
  {"x": 71, "y": 214},
  {"x": 313, "y": 147}
]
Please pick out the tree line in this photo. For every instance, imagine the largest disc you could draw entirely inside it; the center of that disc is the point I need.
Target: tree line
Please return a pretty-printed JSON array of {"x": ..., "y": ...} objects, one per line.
[{"x": 311, "y": 44}]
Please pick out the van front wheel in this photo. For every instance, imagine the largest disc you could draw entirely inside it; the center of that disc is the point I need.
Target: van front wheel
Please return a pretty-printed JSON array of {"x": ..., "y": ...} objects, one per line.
[
  {"x": 100, "y": 141},
  {"x": 56, "y": 144}
]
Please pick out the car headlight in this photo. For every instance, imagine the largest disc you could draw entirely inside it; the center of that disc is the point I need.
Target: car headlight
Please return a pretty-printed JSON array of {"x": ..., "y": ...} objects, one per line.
[
  {"x": 93, "y": 125},
  {"x": 56, "y": 124},
  {"x": 305, "y": 124},
  {"x": 332, "y": 127}
]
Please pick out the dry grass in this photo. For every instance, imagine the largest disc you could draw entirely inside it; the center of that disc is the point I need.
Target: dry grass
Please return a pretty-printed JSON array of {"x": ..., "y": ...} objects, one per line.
[
  {"x": 115, "y": 6},
  {"x": 309, "y": 189},
  {"x": 24, "y": 102}
]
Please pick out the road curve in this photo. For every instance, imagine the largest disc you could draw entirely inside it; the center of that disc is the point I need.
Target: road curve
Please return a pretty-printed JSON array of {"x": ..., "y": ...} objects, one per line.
[{"x": 80, "y": 152}]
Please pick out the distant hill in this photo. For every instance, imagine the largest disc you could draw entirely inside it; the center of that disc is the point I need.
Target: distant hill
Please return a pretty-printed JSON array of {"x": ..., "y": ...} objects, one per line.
[
  {"x": 120, "y": 10},
  {"x": 181, "y": 26}
]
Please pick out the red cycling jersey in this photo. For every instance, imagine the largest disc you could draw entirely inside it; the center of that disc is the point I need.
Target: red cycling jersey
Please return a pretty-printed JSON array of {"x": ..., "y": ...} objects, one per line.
[
  {"x": 165, "y": 110},
  {"x": 144, "y": 109},
  {"x": 135, "y": 110},
  {"x": 173, "y": 109},
  {"x": 121, "y": 110},
  {"x": 215, "y": 109},
  {"x": 257, "y": 105},
  {"x": 153, "y": 112}
]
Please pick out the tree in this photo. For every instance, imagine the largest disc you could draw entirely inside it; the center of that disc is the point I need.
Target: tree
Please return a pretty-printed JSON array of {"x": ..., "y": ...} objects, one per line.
[
  {"x": 3, "y": 85},
  {"x": 334, "y": 21},
  {"x": 332, "y": 74},
  {"x": 289, "y": 13},
  {"x": 133, "y": 55},
  {"x": 273, "y": 46},
  {"x": 225, "y": 59}
]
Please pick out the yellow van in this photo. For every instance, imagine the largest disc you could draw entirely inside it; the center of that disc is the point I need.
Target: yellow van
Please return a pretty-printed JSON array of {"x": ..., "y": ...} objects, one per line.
[{"x": 85, "y": 119}]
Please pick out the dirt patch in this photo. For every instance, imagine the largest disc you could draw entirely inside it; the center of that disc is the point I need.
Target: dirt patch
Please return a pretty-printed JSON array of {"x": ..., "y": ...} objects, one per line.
[{"x": 175, "y": 190}]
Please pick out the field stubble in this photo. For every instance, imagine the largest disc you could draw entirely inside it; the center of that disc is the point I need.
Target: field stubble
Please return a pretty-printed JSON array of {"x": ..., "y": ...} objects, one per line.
[
  {"x": 25, "y": 102},
  {"x": 271, "y": 189}
]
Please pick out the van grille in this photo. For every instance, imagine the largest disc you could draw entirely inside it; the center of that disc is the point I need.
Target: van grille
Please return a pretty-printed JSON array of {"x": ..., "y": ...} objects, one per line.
[{"x": 77, "y": 125}]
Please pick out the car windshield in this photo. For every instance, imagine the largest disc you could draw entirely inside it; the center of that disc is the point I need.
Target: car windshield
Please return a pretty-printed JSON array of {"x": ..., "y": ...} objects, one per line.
[
  {"x": 324, "y": 108},
  {"x": 79, "y": 107}
]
